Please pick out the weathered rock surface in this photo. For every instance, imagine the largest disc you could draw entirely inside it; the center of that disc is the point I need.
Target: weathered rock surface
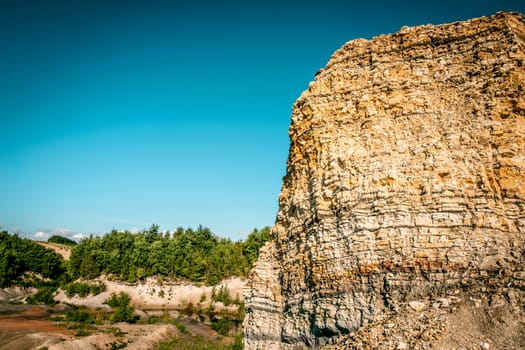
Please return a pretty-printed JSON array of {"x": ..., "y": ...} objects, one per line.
[{"x": 405, "y": 181}]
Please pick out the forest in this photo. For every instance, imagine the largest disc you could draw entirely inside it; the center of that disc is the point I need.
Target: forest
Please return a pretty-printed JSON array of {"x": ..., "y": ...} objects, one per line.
[
  {"x": 196, "y": 255},
  {"x": 21, "y": 255},
  {"x": 189, "y": 254}
]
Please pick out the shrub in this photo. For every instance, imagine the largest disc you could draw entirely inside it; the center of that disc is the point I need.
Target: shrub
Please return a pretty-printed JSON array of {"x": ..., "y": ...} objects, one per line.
[
  {"x": 180, "y": 326},
  {"x": 79, "y": 316},
  {"x": 115, "y": 300},
  {"x": 221, "y": 326},
  {"x": 224, "y": 296},
  {"x": 124, "y": 312},
  {"x": 237, "y": 344},
  {"x": 43, "y": 296},
  {"x": 83, "y": 289}
]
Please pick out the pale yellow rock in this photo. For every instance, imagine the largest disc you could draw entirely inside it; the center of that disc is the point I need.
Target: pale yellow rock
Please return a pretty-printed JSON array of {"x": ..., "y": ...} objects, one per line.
[{"x": 405, "y": 181}]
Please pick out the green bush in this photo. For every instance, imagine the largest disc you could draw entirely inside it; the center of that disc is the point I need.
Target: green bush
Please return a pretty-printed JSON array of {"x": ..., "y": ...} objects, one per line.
[
  {"x": 117, "y": 300},
  {"x": 43, "y": 296},
  {"x": 79, "y": 316},
  {"x": 223, "y": 296},
  {"x": 197, "y": 343},
  {"x": 221, "y": 326},
  {"x": 124, "y": 312},
  {"x": 237, "y": 344},
  {"x": 180, "y": 327},
  {"x": 82, "y": 289}
]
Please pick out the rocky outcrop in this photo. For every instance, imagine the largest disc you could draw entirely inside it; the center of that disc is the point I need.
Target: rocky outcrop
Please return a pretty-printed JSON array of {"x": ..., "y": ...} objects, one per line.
[{"x": 405, "y": 181}]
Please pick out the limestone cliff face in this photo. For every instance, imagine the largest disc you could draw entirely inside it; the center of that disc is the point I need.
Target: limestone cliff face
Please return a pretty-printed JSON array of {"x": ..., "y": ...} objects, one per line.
[{"x": 405, "y": 179}]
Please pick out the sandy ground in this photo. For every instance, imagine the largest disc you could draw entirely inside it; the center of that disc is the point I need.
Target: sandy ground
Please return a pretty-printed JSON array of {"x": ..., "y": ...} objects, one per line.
[
  {"x": 14, "y": 294},
  {"x": 21, "y": 332},
  {"x": 27, "y": 327},
  {"x": 134, "y": 336},
  {"x": 63, "y": 250}
]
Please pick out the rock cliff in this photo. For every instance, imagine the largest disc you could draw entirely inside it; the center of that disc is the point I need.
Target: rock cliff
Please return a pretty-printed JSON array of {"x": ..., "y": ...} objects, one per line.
[{"x": 404, "y": 186}]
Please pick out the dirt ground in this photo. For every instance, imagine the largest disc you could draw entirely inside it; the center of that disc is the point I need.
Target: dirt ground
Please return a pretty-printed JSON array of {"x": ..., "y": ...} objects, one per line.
[
  {"x": 134, "y": 336},
  {"x": 26, "y": 327}
]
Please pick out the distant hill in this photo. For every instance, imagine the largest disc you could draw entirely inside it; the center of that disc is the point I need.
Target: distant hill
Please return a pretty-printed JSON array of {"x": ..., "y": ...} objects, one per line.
[{"x": 61, "y": 240}]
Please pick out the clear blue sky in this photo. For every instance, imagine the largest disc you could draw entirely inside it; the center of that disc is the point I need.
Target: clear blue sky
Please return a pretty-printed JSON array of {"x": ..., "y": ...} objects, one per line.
[{"x": 120, "y": 114}]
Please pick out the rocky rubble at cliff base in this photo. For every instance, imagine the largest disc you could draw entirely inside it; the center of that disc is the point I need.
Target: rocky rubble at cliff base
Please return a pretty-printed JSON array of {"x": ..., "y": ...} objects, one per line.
[{"x": 465, "y": 321}]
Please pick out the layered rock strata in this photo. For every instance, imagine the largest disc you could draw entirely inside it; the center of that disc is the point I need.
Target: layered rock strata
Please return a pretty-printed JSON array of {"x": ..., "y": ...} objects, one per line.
[{"x": 405, "y": 180}]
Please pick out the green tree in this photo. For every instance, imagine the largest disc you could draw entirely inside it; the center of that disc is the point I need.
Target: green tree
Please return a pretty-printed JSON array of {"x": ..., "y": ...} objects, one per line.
[
  {"x": 254, "y": 242},
  {"x": 20, "y": 255},
  {"x": 197, "y": 255}
]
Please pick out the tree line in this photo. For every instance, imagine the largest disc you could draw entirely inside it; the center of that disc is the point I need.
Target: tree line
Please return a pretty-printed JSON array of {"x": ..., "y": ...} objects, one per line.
[
  {"x": 197, "y": 255},
  {"x": 193, "y": 254}
]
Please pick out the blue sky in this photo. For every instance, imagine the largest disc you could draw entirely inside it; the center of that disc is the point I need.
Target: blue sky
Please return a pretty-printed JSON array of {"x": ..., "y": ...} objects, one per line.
[{"x": 120, "y": 114}]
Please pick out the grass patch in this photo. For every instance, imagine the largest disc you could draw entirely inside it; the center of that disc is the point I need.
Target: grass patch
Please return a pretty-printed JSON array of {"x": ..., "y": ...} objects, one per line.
[
  {"x": 117, "y": 332},
  {"x": 80, "y": 318},
  {"x": 83, "y": 333},
  {"x": 198, "y": 343},
  {"x": 223, "y": 326},
  {"x": 180, "y": 327}
]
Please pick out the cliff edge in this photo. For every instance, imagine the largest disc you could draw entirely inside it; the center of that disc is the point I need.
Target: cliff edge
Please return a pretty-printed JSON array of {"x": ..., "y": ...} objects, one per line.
[{"x": 403, "y": 206}]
